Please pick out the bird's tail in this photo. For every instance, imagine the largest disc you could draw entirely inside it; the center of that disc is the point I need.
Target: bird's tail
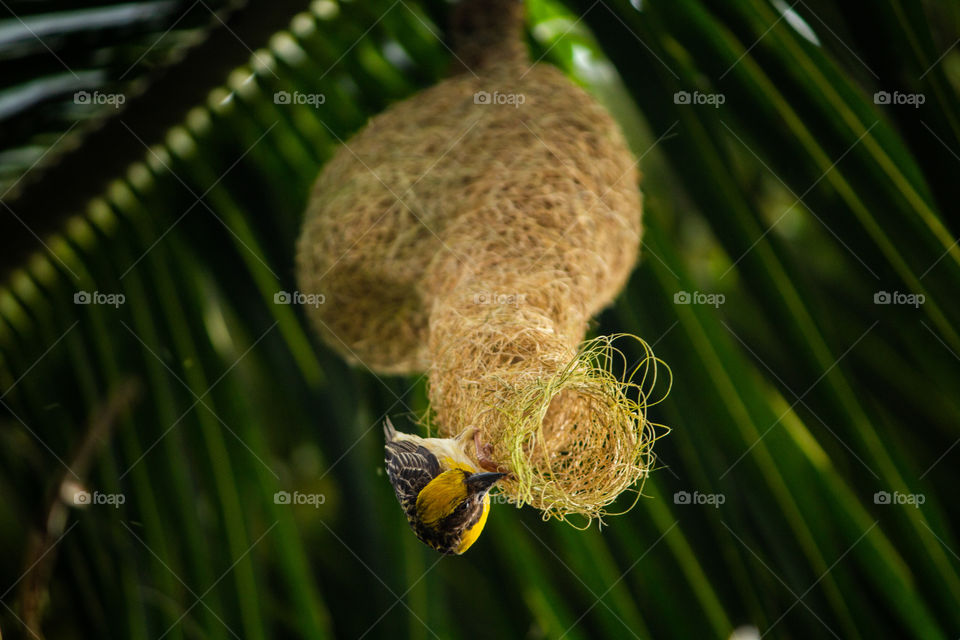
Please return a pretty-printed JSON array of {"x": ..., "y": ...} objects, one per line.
[
  {"x": 388, "y": 431},
  {"x": 487, "y": 32}
]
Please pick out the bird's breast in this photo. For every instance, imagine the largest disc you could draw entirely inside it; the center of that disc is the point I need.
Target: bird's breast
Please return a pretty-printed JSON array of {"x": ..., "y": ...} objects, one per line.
[{"x": 472, "y": 532}]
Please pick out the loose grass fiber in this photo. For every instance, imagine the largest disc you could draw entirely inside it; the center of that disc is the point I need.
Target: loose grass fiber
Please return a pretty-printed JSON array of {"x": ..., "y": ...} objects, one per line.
[{"x": 471, "y": 231}]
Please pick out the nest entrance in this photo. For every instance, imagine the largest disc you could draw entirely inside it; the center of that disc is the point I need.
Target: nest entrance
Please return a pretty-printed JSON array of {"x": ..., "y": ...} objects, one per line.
[{"x": 577, "y": 439}]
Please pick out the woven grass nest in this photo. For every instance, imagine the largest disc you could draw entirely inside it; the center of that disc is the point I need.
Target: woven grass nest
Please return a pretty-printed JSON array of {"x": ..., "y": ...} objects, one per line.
[{"x": 471, "y": 231}]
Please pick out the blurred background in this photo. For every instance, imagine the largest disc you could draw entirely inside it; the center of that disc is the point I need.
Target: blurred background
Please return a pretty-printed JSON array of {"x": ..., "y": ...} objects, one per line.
[{"x": 181, "y": 458}]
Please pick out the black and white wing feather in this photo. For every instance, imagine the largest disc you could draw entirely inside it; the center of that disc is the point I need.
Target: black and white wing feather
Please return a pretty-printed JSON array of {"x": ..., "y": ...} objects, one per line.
[{"x": 410, "y": 467}]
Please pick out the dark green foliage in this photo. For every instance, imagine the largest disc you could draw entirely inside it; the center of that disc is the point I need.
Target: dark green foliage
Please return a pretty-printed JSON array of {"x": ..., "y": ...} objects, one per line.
[{"x": 799, "y": 402}]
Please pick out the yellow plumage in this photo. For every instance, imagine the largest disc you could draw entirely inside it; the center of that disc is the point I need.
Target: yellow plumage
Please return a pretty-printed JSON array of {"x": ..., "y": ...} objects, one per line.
[
  {"x": 471, "y": 534},
  {"x": 439, "y": 498}
]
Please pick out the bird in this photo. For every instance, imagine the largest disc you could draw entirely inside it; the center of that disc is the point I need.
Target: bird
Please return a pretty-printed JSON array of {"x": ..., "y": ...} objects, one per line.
[{"x": 443, "y": 493}]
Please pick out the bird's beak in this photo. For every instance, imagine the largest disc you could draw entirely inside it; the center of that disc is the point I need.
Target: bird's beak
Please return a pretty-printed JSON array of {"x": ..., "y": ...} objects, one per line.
[{"x": 480, "y": 482}]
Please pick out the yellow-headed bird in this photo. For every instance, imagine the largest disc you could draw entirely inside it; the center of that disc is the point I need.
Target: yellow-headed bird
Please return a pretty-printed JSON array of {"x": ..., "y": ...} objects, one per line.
[{"x": 445, "y": 497}]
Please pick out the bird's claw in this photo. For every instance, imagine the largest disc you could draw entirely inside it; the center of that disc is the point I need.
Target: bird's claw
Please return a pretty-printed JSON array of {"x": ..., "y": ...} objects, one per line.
[{"x": 485, "y": 455}]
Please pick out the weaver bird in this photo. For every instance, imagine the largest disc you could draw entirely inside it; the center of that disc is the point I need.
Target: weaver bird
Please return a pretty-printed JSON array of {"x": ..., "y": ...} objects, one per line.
[{"x": 443, "y": 493}]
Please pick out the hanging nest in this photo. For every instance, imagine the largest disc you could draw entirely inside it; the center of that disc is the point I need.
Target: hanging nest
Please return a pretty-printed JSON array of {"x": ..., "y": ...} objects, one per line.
[{"x": 472, "y": 231}]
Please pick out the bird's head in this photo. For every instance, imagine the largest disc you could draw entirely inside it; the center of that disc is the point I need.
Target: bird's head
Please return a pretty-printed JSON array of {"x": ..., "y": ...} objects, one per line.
[{"x": 452, "y": 509}]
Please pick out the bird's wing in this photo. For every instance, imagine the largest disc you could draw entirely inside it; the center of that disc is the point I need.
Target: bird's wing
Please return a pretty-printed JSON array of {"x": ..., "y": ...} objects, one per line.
[{"x": 410, "y": 468}]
